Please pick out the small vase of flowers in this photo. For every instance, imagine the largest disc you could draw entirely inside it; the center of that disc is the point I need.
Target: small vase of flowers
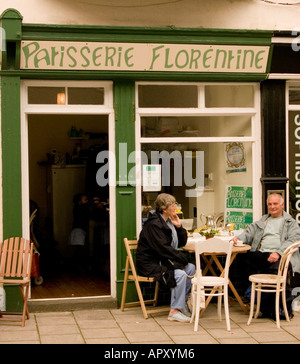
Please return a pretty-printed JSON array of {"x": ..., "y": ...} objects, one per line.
[{"x": 209, "y": 232}]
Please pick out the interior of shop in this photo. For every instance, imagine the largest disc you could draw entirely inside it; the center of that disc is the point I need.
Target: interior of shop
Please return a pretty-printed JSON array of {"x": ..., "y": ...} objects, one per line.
[
  {"x": 220, "y": 116},
  {"x": 195, "y": 205},
  {"x": 62, "y": 165}
]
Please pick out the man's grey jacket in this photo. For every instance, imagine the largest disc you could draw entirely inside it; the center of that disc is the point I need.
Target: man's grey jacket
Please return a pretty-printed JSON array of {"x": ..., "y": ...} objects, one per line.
[{"x": 289, "y": 234}]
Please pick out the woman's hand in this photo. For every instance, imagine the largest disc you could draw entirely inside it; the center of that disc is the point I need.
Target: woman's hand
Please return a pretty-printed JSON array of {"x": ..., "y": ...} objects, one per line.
[{"x": 175, "y": 220}]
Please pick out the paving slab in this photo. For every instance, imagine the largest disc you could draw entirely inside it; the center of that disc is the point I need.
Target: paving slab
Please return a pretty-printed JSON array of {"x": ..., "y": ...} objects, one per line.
[{"x": 111, "y": 326}]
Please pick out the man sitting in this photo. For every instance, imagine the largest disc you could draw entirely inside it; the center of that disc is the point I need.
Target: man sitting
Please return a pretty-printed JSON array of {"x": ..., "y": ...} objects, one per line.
[{"x": 269, "y": 237}]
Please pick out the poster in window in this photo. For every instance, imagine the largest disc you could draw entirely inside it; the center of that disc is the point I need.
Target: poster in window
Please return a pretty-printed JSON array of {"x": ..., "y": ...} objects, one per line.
[
  {"x": 151, "y": 178},
  {"x": 238, "y": 206},
  {"x": 235, "y": 157}
]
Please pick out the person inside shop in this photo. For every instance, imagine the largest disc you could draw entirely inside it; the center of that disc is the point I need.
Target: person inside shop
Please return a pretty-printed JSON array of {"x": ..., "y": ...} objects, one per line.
[
  {"x": 269, "y": 237},
  {"x": 157, "y": 255},
  {"x": 78, "y": 238}
]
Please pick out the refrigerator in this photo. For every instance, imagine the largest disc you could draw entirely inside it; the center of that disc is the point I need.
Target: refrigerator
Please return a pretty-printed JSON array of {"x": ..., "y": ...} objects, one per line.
[{"x": 63, "y": 184}]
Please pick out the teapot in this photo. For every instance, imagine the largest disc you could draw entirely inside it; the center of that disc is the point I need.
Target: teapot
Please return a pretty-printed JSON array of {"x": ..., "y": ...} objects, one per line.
[{"x": 210, "y": 222}]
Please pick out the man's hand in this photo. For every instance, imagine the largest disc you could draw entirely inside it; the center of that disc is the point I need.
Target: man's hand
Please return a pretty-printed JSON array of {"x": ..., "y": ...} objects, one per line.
[
  {"x": 273, "y": 257},
  {"x": 235, "y": 240}
]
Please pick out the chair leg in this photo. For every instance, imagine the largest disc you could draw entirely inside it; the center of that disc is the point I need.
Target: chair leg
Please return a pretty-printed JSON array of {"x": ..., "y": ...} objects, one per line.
[
  {"x": 25, "y": 307},
  {"x": 197, "y": 309},
  {"x": 251, "y": 303},
  {"x": 287, "y": 317},
  {"x": 219, "y": 305},
  {"x": 124, "y": 286},
  {"x": 194, "y": 304},
  {"x": 226, "y": 307},
  {"x": 156, "y": 293},
  {"x": 141, "y": 299},
  {"x": 258, "y": 301},
  {"x": 277, "y": 308}
]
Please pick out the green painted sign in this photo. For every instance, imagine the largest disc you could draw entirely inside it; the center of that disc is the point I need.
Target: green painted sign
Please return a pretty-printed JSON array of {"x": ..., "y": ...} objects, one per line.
[
  {"x": 110, "y": 56},
  {"x": 240, "y": 219},
  {"x": 239, "y": 197},
  {"x": 238, "y": 206}
]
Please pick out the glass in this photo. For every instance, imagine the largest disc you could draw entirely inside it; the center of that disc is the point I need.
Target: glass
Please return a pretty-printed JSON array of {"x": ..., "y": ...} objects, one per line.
[
  {"x": 76, "y": 95},
  {"x": 196, "y": 126},
  {"x": 196, "y": 174},
  {"x": 229, "y": 96},
  {"x": 168, "y": 96},
  {"x": 44, "y": 95},
  {"x": 85, "y": 95},
  {"x": 294, "y": 96}
]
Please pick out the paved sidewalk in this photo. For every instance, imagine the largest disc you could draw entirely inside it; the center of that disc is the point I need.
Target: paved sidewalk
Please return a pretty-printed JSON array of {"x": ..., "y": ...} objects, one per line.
[{"x": 111, "y": 326}]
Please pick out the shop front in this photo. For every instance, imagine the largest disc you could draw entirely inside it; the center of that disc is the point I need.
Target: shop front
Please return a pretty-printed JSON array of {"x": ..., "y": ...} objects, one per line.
[{"x": 122, "y": 114}]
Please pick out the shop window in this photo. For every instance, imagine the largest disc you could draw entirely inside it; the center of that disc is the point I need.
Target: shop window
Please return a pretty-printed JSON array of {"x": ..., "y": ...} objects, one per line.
[
  {"x": 85, "y": 96},
  {"x": 294, "y": 95},
  {"x": 65, "y": 95},
  {"x": 229, "y": 96},
  {"x": 44, "y": 95},
  {"x": 199, "y": 142},
  {"x": 197, "y": 175},
  {"x": 196, "y": 126},
  {"x": 168, "y": 96}
]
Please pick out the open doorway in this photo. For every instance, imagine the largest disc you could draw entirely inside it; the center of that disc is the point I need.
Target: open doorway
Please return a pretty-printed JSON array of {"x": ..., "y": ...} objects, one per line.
[{"x": 62, "y": 150}]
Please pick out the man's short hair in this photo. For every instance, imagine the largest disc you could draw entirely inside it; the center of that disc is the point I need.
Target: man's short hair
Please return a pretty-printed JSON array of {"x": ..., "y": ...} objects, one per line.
[{"x": 276, "y": 194}]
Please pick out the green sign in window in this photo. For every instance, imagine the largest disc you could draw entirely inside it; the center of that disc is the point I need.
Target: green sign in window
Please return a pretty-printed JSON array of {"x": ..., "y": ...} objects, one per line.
[
  {"x": 238, "y": 206},
  {"x": 239, "y": 197}
]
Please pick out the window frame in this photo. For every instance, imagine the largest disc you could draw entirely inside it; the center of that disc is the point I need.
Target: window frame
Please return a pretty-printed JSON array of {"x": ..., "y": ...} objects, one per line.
[
  {"x": 201, "y": 110},
  {"x": 40, "y": 109},
  {"x": 78, "y": 108}
]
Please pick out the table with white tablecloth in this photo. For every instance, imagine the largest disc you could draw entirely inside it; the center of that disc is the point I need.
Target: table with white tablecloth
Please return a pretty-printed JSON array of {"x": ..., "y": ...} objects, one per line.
[{"x": 209, "y": 259}]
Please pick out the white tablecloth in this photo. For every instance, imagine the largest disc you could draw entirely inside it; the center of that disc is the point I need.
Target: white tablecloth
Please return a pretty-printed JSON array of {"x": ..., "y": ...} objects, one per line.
[{"x": 192, "y": 240}]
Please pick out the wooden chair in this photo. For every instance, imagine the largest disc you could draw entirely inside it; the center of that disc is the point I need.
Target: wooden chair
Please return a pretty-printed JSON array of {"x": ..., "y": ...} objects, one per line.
[
  {"x": 204, "y": 286},
  {"x": 275, "y": 283},
  {"x": 15, "y": 269},
  {"x": 131, "y": 245}
]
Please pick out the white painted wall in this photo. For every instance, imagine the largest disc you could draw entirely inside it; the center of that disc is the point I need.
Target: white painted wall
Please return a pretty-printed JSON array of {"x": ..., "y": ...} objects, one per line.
[{"x": 230, "y": 14}]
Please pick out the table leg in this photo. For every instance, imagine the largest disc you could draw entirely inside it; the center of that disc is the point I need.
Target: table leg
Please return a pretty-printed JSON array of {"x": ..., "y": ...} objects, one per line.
[
  {"x": 234, "y": 291},
  {"x": 238, "y": 298},
  {"x": 208, "y": 266}
]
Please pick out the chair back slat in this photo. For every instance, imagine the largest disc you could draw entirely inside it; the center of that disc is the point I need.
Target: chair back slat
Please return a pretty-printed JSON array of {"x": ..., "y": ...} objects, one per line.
[
  {"x": 9, "y": 253},
  {"x": 15, "y": 253},
  {"x": 131, "y": 245},
  {"x": 213, "y": 246},
  {"x": 26, "y": 260},
  {"x": 3, "y": 258},
  {"x": 19, "y": 253},
  {"x": 16, "y": 258},
  {"x": 285, "y": 259}
]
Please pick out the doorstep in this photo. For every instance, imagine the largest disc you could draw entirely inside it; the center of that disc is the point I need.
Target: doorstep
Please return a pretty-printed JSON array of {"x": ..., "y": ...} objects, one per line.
[{"x": 71, "y": 304}]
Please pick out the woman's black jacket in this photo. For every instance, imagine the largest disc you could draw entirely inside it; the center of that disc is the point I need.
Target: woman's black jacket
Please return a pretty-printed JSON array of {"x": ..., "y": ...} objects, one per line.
[{"x": 155, "y": 256}]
